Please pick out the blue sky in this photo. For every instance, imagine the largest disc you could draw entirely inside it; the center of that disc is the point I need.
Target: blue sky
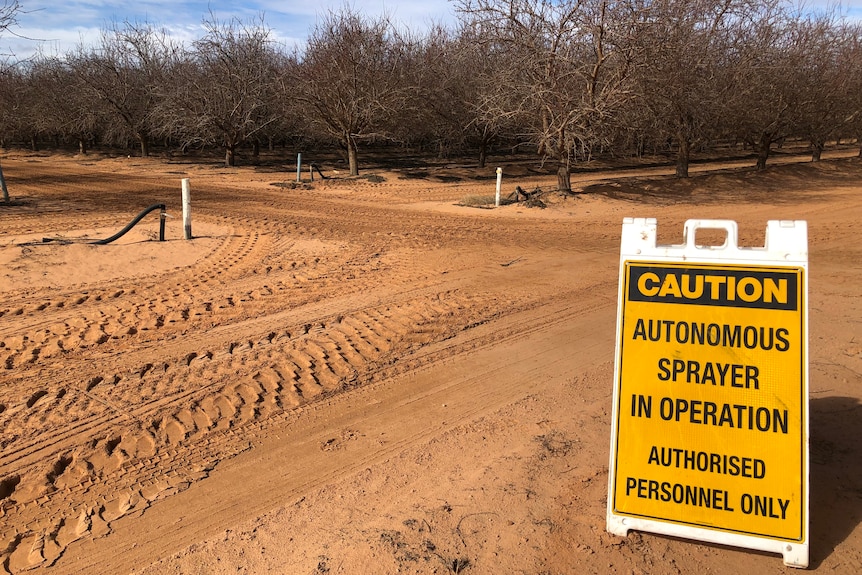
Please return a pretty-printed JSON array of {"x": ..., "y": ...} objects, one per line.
[{"x": 57, "y": 26}]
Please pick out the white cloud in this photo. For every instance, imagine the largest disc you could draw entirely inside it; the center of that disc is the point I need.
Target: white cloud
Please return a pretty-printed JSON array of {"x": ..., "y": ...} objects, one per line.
[{"x": 59, "y": 26}]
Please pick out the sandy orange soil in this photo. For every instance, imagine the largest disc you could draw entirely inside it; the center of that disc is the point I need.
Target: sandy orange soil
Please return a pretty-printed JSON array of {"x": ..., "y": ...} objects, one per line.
[{"x": 362, "y": 376}]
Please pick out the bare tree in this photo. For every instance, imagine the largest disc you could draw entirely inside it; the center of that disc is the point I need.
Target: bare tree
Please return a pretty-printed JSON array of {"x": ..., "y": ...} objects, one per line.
[
  {"x": 8, "y": 13},
  {"x": 761, "y": 64},
  {"x": 482, "y": 70},
  {"x": 127, "y": 72},
  {"x": 681, "y": 87},
  {"x": 852, "y": 55},
  {"x": 8, "y": 79},
  {"x": 436, "y": 113},
  {"x": 351, "y": 81},
  {"x": 569, "y": 64},
  {"x": 18, "y": 100},
  {"x": 456, "y": 105},
  {"x": 7, "y": 18},
  {"x": 61, "y": 104},
  {"x": 224, "y": 88},
  {"x": 826, "y": 79}
]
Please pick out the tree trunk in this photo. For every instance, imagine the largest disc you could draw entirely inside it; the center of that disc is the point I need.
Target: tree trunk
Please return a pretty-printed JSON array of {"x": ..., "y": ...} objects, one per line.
[
  {"x": 352, "y": 160},
  {"x": 763, "y": 147},
  {"x": 3, "y": 186},
  {"x": 564, "y": 177},
  {"x": 816, "y": 150},
  {"x": 82, "y": 146},
  {"x": 145, "y": 145},
  {"x": 682, "y": 157},
  {"x": 34, "y": 143},
  {"x": 230, "y": 155},
  {"x": 483, "y": 154}
]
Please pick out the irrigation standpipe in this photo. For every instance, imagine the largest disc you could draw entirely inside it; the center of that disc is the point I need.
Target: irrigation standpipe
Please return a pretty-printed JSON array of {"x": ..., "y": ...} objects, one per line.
[{"x": 187, "y": 209}]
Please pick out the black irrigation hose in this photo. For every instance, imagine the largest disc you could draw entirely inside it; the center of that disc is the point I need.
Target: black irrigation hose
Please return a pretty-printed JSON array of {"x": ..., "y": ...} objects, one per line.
[{"x": 123, "y": 232}]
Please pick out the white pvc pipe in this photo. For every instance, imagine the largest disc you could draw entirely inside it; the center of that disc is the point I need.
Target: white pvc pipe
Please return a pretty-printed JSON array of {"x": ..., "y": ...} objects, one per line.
[
  {"x": 187, "y": 209},
  {"x": 298, "y": 168},
  {"x": 499, "y": 184}
]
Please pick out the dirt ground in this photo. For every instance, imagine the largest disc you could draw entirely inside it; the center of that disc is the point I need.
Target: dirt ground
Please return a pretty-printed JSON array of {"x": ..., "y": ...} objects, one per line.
[{"x": 363, "y": 376}]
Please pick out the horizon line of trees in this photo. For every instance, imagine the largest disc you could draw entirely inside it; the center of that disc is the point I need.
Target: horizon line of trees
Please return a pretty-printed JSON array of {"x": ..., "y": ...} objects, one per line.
[{"x": 575, "y": 79}]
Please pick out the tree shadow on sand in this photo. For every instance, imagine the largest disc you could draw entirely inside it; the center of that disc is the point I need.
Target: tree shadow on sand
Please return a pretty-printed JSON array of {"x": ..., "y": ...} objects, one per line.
[{"x": 836, "y": 473}]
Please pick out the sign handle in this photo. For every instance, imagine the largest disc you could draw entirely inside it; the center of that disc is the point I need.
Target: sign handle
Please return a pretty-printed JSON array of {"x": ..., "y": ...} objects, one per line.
[{"x": 728, "y": 226}]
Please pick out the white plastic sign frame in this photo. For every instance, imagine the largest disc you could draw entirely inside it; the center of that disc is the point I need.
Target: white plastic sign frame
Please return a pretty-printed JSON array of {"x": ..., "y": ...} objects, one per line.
[{"x": 710, "y": 432}]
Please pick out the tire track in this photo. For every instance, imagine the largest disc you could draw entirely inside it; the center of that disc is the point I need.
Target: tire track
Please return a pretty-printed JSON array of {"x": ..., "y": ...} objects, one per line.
[
  {"x": 176, "y": 443},
  {"x": 114, "y": 398},
  {"x": 284, "y": 375},
  {"x": 57, "y": 324}
]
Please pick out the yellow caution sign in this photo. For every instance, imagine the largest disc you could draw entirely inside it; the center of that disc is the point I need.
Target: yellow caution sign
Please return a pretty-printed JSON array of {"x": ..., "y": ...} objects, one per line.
[{"x": 710, "y": 429}]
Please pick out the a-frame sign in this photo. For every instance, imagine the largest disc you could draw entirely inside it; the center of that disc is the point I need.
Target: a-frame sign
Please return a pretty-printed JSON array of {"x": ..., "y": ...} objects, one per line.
[{"x": 710, "y": 414}]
